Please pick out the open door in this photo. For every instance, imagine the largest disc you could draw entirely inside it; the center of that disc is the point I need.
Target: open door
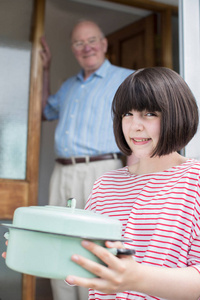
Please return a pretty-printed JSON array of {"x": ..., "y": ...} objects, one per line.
[
  {"x": 145, "y": 43},
  {"x": 134, "y": 46},
  {"x": 20, "y": 125}
]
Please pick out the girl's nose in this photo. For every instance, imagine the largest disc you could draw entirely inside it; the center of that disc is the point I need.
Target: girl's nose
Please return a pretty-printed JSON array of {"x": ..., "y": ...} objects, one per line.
[{"x": 137, "y": 124}]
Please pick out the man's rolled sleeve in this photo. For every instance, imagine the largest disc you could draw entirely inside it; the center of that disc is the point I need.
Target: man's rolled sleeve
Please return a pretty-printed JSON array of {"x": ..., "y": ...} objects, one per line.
[{"x": 51, "y": 109}]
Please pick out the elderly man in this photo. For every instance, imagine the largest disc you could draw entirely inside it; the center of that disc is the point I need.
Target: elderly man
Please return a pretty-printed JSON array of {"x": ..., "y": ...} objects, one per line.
[{"x": 84, "y": 141}]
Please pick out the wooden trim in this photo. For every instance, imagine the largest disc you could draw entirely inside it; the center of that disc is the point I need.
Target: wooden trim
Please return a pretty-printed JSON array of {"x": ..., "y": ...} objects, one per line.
[
  {"x": 147, "y": 4},
  {"x": 150, "y": 59},
  {"x": 166, "y": 38},
  {"x": 13, "y": 194},
  {"x": 35, "y": 108},
  {"x": 34, "y": 127}
]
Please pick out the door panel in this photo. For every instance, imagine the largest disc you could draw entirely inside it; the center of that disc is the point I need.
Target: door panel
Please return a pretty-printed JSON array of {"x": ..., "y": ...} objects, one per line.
[
  {"x": 13, "y": 194},
  {"x": 131, "y": 54},
  {"x": 134, "y": 45},
  {"x": 15, "y": 71}
]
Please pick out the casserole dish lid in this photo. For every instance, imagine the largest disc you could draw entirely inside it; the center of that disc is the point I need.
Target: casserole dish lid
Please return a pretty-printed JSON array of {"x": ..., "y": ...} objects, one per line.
[{"x": 67, "y": 221}]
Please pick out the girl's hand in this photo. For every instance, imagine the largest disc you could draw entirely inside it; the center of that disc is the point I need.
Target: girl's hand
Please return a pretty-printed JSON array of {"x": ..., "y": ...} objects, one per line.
[
  {"x": 113, "y": 278},
  {"x": 123, "y": 273}
]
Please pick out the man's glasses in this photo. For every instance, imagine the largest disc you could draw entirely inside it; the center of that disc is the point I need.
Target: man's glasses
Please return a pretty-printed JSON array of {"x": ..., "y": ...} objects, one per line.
[{"x": 92, "y": 42}]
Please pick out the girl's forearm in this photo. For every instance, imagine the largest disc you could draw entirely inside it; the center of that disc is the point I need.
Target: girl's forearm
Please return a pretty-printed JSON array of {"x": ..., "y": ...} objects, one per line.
[{"x": 168, "y": 283}]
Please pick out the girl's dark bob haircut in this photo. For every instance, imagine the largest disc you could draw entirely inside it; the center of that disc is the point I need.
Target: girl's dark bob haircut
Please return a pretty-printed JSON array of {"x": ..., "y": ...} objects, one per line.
[{"x": 163, "y": 90}]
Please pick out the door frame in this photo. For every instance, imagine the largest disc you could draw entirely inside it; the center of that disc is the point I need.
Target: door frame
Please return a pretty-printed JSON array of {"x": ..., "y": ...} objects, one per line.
[
  {"x": 16, "y": 193},
  {"x": 34, "y": 127}
]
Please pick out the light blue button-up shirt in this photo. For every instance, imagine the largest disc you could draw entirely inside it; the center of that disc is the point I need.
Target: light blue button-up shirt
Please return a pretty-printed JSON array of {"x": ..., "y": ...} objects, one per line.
[{"x": 83, "y": 109}]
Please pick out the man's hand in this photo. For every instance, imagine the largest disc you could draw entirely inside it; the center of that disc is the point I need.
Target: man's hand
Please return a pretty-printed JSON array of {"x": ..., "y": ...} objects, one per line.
[{"x": 45, "y": 53}]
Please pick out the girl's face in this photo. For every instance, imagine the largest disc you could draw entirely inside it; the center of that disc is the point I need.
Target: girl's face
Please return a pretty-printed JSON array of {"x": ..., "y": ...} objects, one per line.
[{"x": 141, "y": 131}]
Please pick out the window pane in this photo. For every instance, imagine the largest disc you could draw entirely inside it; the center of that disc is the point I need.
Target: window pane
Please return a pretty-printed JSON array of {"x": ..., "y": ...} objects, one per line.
[{"x": 14, "y": 94}]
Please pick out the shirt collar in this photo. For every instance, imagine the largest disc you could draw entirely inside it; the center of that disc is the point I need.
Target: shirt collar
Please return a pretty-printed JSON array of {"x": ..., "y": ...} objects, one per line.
[{"x": 101, "y": 72}]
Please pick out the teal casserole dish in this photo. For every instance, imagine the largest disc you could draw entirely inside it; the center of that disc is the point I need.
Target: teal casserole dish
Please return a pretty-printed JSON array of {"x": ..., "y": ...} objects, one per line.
[{"x": 42, "y": 239}]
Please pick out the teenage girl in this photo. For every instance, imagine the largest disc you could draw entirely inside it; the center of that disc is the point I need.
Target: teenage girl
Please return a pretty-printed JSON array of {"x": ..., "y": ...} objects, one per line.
[{"x": 157, "y": 199}]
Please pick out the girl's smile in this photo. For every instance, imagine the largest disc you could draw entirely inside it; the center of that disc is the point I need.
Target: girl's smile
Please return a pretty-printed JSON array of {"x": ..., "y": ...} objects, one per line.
[{"x": 140, "y": 141}]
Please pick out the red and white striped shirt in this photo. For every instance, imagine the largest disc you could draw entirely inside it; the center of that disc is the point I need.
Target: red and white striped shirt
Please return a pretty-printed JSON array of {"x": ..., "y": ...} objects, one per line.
[{"x": 160, "y": 213}]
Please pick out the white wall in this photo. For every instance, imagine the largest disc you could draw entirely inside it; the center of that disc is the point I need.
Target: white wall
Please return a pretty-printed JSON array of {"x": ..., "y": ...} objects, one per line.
[{"x": 189, "y": 24}]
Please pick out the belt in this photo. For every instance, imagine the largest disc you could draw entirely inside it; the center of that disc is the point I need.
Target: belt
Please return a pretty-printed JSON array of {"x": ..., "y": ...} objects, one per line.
[{"x": 86, "y": 159}]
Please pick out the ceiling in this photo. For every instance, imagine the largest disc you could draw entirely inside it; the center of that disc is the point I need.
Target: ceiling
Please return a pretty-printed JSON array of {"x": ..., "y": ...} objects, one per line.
[
  {"x": 16, "y": 16},
  {"x": 110, "y": 16}
]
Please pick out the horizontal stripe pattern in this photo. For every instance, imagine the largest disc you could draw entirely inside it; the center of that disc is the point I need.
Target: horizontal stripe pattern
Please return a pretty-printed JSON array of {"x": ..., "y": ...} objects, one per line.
[{"x": 159, "y": 213}]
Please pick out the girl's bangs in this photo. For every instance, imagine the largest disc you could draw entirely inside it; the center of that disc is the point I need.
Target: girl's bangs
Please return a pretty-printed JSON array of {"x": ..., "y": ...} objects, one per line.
[{"x": 139, "y": 98}]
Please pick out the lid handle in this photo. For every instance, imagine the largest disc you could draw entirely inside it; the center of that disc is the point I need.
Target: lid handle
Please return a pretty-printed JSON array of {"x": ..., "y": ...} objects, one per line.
[{"x": 71, "y": 203}]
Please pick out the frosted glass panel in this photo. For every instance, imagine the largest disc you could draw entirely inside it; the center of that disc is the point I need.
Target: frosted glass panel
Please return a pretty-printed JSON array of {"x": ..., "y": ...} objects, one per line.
[{"x": 14, "y": 95}]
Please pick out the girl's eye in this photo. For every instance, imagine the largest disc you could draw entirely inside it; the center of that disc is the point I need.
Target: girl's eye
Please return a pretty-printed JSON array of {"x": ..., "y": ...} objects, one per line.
[
  {"x": 127, "y": 114},
  {"x": 150, "y": 114}
]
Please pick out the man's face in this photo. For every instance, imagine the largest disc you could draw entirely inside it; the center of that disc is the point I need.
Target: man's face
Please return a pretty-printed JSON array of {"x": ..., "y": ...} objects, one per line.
[{"x": 88, "y": 46}]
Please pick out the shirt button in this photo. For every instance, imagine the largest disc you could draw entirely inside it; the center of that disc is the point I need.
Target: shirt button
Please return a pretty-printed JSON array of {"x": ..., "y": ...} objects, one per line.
[
  {"x": 67, "y": 132},
  {"x": 71, "y": 116},
  {"x": 65, "y": 149}
]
